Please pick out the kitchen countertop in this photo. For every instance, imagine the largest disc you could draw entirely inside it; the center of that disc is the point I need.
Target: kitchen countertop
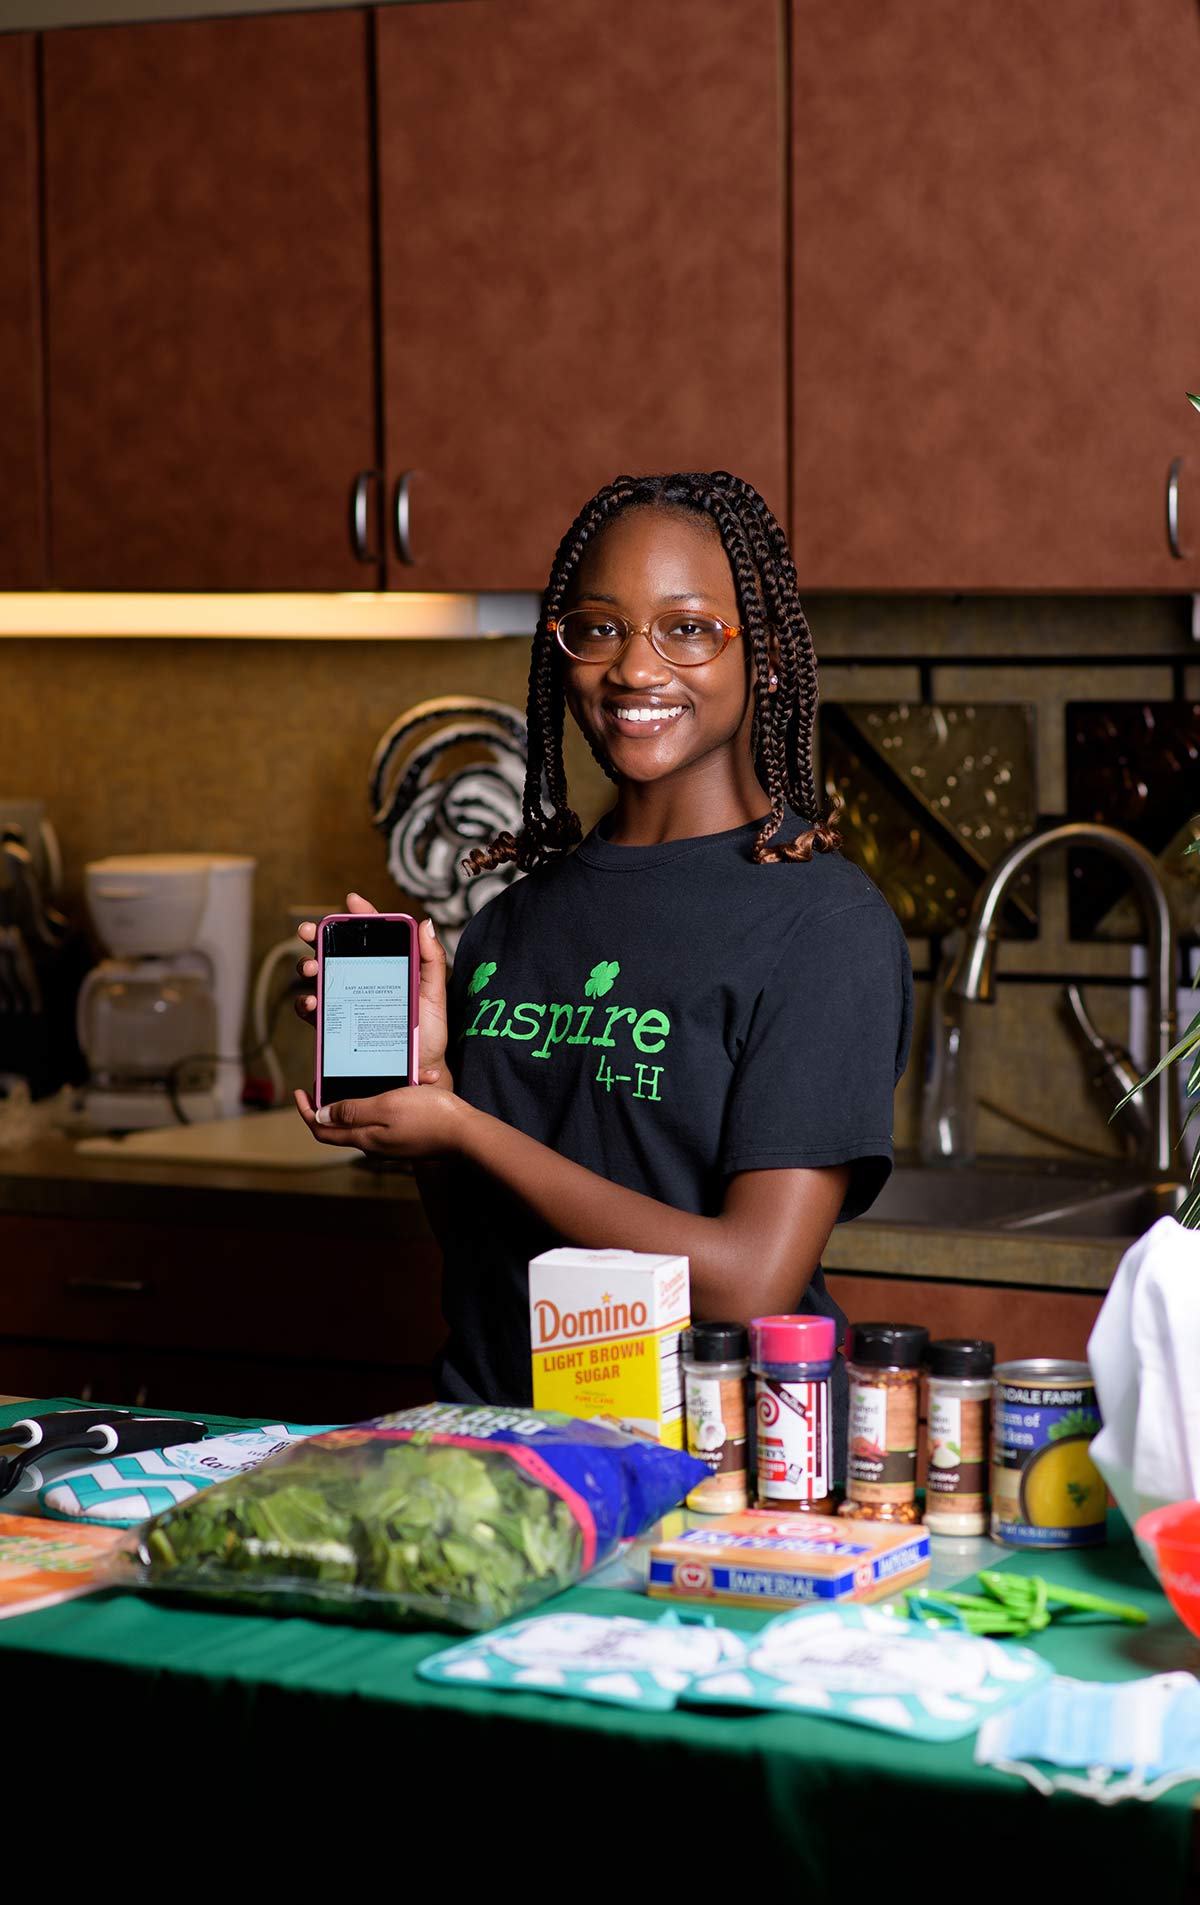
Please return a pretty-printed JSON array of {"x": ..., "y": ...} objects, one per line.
[
  {"x": 936, "y": 1252},
  {"x": 50, "y": 1178}
]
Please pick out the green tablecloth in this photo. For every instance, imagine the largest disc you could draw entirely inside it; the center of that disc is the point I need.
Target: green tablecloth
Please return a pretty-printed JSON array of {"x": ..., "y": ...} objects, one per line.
[{"x": 324, "y": 1740}]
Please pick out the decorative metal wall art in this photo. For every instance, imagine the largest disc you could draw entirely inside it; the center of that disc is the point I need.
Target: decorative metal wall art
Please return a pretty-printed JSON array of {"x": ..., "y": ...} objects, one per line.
[
  {"x": 1134, "y": 765},
  {"x": 447, "y": 776},
  {"x": 932, "y": 796}
]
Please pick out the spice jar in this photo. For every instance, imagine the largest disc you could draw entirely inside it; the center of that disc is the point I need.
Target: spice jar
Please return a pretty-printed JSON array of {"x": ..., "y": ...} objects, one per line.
[
  {"x": 792, "y": 1358},
  {"x": 960, "y": 1370},
  {"x": 715, "y": 1367},
  {"x": 884, "y": 1367}
]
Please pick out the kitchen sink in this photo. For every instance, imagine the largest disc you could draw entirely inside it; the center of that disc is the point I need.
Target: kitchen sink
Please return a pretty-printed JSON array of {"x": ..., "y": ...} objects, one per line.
[
  {"x": 1119, "y": 1213},
  {"x": 1052, "y": 1199}
]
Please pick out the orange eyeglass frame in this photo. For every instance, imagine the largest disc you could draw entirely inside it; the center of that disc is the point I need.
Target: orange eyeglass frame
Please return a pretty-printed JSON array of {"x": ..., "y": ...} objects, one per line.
[{"x": 732, "y": 631}]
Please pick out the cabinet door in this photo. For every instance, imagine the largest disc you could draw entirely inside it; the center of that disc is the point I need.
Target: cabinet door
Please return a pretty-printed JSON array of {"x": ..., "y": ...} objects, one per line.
[
  {"x": 22, "y": 476},
  {"x": 210, "y": 302},
  {"x": 581, "y": 213},
  {"x": 1018, "y": 1321},
  {"x": 995, "y": 287}
]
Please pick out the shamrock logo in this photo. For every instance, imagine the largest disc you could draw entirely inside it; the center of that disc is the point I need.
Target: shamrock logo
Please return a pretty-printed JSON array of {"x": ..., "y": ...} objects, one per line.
[
  {"x": 601, "y": 978},
  {"x": 481, "y": 975}
]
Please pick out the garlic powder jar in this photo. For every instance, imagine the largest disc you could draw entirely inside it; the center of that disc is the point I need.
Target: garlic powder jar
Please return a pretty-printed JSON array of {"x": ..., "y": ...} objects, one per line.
[
  {"x": 960, "y": 1387},
  {"x": 715, "y": 1367}
]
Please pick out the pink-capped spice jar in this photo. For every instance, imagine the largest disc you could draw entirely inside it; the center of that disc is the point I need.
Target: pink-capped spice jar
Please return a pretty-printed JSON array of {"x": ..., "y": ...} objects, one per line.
[{"x": 791, "y": 1363}]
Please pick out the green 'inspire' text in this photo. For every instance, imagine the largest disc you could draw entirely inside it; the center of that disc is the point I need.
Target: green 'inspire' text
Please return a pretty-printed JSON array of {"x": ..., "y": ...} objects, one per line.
[{"x": 571, "y": 1025}]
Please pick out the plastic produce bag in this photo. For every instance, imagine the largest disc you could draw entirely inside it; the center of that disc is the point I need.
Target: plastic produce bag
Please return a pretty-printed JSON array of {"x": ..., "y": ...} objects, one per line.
[{"x": 448, "y": 1515}]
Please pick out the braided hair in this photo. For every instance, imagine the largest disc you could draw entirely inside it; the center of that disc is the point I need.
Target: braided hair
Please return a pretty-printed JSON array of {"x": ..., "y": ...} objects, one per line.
[{"x": 769, "y": 604}]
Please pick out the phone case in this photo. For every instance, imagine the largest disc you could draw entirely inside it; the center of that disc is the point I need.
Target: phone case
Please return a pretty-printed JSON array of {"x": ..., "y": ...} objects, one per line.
[{"x": 414, "y": 991}]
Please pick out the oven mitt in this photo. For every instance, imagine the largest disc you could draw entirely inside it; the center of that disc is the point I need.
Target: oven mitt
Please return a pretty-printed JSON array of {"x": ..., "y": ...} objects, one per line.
[
  {"x": 612, "y": 1658},
  {"x": 128, "y": 1489},
  {"x": 876, "y": 1669}
]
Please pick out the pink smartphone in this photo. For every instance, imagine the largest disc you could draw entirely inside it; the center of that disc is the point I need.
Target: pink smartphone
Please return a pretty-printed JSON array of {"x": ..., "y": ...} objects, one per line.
[{"x": 368, "y": 978}]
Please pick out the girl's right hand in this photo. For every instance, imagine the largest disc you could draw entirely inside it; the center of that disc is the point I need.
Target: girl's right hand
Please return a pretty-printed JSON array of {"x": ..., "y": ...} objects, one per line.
[{"x": 432, "y": 1027}]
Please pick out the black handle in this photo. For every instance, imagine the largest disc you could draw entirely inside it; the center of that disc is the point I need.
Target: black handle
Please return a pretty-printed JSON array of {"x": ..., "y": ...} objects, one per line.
[
  {"x": 94, "y": 1432},
  {"x": 143, "y": 1432},
  {"x": 65, "y": 1429}
]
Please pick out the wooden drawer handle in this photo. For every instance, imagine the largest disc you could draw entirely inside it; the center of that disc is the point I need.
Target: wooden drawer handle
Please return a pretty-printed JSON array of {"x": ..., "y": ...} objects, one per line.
[{"x": 106, "y": 1286}]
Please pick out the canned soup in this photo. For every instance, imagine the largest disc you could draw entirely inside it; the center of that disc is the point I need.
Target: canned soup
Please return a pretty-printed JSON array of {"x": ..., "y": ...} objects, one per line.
[{"x": 1046, "y": 1490}]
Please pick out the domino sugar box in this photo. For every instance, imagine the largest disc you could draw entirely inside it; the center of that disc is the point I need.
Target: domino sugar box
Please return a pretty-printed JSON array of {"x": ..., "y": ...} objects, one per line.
[{"x": 604, "y": 1327}]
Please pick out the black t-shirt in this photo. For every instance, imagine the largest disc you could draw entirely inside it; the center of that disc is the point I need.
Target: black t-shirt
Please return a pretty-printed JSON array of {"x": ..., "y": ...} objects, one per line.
[{"x": 666, "y": 1016}]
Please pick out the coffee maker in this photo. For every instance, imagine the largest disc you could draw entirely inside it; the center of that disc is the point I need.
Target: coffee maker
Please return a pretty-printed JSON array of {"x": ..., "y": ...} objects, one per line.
[{"x": 160, "y": 1020}]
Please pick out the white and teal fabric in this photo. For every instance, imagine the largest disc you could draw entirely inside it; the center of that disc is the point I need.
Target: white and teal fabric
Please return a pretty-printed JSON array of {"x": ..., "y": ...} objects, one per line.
[
  {"x": 611, "y": 1658},
  {"x": 875, "y": 1669},
  {"x": 128, "y": 1489}
]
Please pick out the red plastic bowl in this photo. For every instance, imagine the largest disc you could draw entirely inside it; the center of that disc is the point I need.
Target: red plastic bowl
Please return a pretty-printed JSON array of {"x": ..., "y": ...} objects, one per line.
[{"x": 1174, "y": 1535}]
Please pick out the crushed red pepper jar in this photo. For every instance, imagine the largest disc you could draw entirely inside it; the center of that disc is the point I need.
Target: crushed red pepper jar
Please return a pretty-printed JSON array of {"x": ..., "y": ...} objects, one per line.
[{"x": 884, "y": 1362}]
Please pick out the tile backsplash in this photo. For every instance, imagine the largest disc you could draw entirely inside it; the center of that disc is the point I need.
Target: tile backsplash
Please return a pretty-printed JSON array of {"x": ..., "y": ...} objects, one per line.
[{"x": 258, "y": 747}]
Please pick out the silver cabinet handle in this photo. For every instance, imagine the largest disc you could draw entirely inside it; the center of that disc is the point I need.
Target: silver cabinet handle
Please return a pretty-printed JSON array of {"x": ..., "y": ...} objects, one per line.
[
  {"x": 1173, "y": 476},
  {"x": 403, "y": 523},
  {"x": 360, "y": 516},
  {"x": 105, "y": 1286}
]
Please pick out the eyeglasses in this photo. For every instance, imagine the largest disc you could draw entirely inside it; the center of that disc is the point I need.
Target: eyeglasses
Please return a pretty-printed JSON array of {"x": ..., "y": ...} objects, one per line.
[{"x": 681, "y": 638}]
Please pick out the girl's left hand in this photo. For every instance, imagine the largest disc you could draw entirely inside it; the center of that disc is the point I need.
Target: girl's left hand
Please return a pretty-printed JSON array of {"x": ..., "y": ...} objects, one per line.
[{"x": 417, "y": 1121}]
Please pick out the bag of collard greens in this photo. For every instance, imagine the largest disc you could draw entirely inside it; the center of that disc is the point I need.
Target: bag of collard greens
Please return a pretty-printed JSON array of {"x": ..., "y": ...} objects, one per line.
[{"x": 447, "y": 1515}]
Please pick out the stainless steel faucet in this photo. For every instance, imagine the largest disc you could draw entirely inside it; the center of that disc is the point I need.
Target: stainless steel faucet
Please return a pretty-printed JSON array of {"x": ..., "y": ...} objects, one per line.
[{"x": 972, "y": 976}]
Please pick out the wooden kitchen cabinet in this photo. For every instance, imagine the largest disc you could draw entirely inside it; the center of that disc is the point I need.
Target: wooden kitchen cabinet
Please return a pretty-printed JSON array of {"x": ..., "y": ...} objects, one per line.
[
  {"x": 498, "y": 251},
  {"x": 581, "y": 242},
  {"x": 1020, "y": 1321},
  {"x": 210, "y": 302},
  {"x": 22, "y": 468},
  {"x": 278, "y": 1321},
  {"x": 995, "y": 293},
  {"x": 583, "y": 265}
]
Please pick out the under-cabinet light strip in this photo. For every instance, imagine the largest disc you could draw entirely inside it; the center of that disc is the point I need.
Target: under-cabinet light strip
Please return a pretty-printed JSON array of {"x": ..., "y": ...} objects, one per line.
[{"x": 307, "y": 617}]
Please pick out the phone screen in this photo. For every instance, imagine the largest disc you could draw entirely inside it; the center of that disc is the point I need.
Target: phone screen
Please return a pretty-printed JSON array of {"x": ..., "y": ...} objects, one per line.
[{"x": 365, "y": 1007}]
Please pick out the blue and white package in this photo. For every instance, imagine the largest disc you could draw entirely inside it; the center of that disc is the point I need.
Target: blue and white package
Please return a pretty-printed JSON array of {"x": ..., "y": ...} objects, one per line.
[
  {"x": 874, "y": 1668},
  {"x": 128, "y": 1489},
  {"x": 615, "y": 1659}
]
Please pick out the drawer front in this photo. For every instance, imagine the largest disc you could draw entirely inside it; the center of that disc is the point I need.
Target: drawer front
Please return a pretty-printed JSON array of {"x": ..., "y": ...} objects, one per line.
[
  {"x": 155, "y": 1379},
  {"x": 1019, "y": 1321},
  {"x": 252, "y": 1293}
]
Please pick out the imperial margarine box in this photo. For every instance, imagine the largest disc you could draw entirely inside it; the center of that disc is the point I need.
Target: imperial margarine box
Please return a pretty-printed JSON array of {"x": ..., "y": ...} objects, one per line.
[
  {"x": 604, "y": 1327},
  {"x": 760, "y": 1559}
]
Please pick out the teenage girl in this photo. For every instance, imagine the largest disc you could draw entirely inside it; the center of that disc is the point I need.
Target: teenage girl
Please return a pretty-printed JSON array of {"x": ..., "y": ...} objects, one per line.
[{"x": 682, "y": 1033}]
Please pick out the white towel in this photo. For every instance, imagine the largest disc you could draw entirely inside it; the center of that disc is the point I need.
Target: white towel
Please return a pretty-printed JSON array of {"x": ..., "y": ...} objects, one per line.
[{"x": 1144, "y": 1353}]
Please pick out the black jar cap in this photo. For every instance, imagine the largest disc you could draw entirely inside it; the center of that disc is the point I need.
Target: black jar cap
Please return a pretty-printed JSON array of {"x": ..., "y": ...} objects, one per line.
[
  {"x": 961, "y": 1356},
  {"x": 715, "y": 1342},
  {"x": 886, "y": 1345}
]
